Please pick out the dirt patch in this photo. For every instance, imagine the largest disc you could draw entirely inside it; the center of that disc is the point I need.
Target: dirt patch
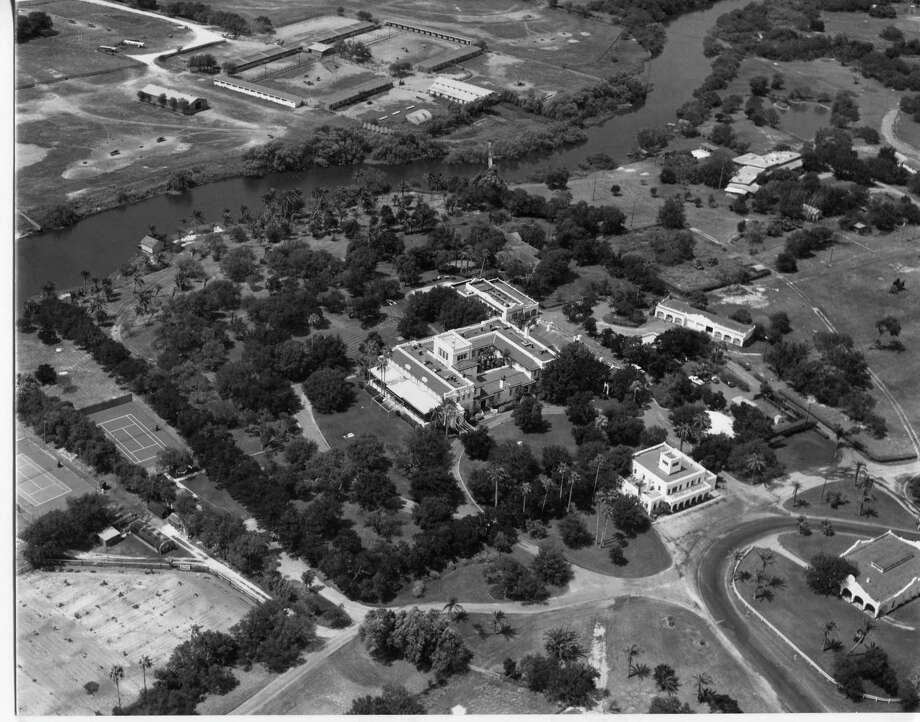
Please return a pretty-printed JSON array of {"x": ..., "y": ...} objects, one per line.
[
  {"x": 86, "y": 621},
  {"x": 28, "y": 154}
]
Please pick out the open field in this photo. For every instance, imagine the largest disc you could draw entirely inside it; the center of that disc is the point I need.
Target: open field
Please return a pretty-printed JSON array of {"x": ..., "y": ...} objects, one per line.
[
  {"x": 80, "y": 379},
  {"x": 801, "y": 614},
  {"x": 346, "y": 674},
  {"x": 464, "y": 582},
  {"x": 805, "y": 547},
  {"x": 365, "y": 416},
  {"x": 484, "y": 694},
  {"x": 81, "y": 28},
  {"x": 665, "y": 633},
  {"x": 860, "y": 26},
  {"x": 528, "y": 47},
  {"x": 887, "y": 511},
  {"x": 86, "y": 621}
]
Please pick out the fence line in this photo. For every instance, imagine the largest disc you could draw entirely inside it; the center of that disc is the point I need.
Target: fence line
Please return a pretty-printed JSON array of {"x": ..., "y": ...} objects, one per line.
[{"x": 818, "y": 668}]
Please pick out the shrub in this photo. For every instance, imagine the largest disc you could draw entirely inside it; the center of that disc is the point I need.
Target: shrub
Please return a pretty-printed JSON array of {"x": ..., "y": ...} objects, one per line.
[
  {"x": 574, "y": 533},
  {"x": 328, "y": 390}
]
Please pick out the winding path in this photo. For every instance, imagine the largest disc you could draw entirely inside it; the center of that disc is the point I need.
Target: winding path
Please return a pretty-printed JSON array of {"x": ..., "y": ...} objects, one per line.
[{"x": 794, "y": 684}]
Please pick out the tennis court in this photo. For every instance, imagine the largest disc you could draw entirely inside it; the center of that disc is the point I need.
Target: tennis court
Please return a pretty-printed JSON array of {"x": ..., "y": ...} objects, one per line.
[
  {"x": 133, "y": 438},
  {"x": 36, "y": 485},
  {"x": 42, "y": 485}
]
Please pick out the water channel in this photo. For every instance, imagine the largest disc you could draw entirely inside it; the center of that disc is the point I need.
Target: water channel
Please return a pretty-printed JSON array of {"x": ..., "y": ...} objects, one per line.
[{"x": 103, "y": 242}]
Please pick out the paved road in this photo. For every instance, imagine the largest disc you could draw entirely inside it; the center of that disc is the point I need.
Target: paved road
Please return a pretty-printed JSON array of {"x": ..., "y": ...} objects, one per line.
[{"x": 794, "y": 685}]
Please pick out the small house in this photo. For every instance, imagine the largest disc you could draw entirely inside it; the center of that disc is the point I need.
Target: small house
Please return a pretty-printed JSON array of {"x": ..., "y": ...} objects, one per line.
[
  {"x": 109, "y": 536},
  {"x": 150, "y": 246}
]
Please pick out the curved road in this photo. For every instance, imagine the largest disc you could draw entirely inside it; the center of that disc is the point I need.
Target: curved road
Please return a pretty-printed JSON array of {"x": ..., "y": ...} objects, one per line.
[{"x": 791, "y": 683}]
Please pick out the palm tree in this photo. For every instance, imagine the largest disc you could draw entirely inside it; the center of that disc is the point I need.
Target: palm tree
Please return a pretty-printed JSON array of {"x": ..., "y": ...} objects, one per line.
[
  {"x": 684, "y": 431},
  {"x": 702, "y": 680},
  {"x": 562, "y": 470},
  {"x": 497, "y": 474},
  {"x": 526, "y": 488},
  {"x": 498, "y": 620},
  {"x": 598, "y": 461},
  {"x": 796, "y": 485},
  {"x": 453, "y": 608},
  {"x": 116, "y": 674},
  {"x": 86, "y": 276},
  {"x": 829, "y": 641},
  {"x": 755, "y": 464},
  {"x": 632, "y": 651},
  {"x": 547, "y": 484},
  {"x": 573, "y": 477},
  {"x": 861, "y": 634},
  {"x": 767, "y": 557},
  {"x": 447, "y": 415},
  {"x": 145, "y": 663}
]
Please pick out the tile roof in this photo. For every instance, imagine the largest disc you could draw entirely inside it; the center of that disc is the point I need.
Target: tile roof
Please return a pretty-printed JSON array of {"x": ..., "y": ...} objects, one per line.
[
  {"x": 885, "y": 564},
  {"x": 675, "y": 304}
]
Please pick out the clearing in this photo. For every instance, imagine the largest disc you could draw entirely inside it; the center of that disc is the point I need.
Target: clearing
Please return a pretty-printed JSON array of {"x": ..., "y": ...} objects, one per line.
[{"x": 87, "y": 620}]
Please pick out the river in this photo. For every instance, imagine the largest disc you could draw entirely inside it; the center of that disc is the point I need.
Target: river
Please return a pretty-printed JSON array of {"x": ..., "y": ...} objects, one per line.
[{"x": 103, "y": 242}]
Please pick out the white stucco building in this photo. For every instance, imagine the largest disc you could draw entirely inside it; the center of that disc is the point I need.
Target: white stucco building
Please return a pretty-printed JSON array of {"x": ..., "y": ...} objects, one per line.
[
  {"x": 888, "y": 573},
  {"x": 505, "y": 301},
  {"x": 667, "y": 480},
  {"x": 721, "y": 329},
  {"x": 478, "y": 367}
]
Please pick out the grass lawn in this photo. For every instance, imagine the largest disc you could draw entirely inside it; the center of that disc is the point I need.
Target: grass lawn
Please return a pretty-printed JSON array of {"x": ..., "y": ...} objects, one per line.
[
  {"x": 465, "y": 582},
  {"x": 365, "y": 416},
  {"x": 80, "y": 379},
  {"x": 801, "y": 614},
  {"x": 806, "y": 451},
  {"x": 485, "y": 694},
  {"x": 346, "y": 674},
  {"x": 805, "y": 547},
  {"x": 665, "y": 633},
  {"x": 887, "y": 510},
  {"x": 558, "y": 433},
  {"x": 220, "y": 498},
  {"x": 646, "y": 554}
]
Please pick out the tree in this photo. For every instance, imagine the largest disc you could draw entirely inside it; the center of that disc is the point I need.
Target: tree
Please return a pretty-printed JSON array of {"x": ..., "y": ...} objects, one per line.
[
  {"x": 573, "y": 532},
  {"x": 574, "y": 370},
  {"x": 239, "y": 263},
  {"x": 477, "y": 443},
  {"x": 825, "y": 573},
  {"x": 328, "y": 390},
  {"x": 116, "y": 674},
  {"x": 528, "y": 415},
  {"x": 551, "y": 566},
  {"x": 145, "y": 663},
  {"x": 668, "y": 705},
  {"x": 760, "y": 85},
  {"x": 702, "y": 680},
  {"x": 562, "y": 645},
  {"x": 671, "y": 213},
  {"x": 175, "y": 462},
  {"x": 557, "y": 179},
  {"x": 891, "y": 326},
  {"x": 45, "y": 374},
  {"x": 666, "y": 679},
  {"x": 395, "y": 700},
  {"x": 830, "y": 641}
]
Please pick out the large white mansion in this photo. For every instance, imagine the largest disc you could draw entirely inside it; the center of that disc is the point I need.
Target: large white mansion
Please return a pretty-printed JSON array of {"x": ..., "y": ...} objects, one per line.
[
  {"x": 666, "y": 479},
  {"x": 479, "y": 367}
]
